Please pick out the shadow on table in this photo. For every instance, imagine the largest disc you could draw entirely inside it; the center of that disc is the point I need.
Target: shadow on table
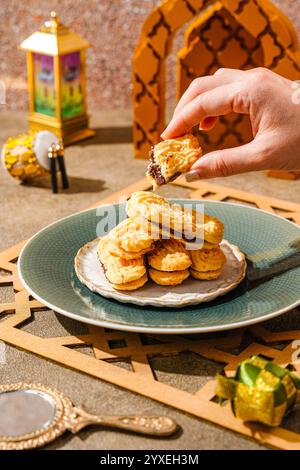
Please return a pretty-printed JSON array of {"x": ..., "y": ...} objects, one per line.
[
  {"x": 77, "y": 185},
  {"x": 109, "y": 135},
  {"x": 291, "y": 422},
  {"x": 197, "y": 369}
]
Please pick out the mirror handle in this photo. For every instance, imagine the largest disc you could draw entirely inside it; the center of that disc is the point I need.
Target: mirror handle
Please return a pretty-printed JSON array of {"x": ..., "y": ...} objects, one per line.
[{"x": 150, "y": 425}]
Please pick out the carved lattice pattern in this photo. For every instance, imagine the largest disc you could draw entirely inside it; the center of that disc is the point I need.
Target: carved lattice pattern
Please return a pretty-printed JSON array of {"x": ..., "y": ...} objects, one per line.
[{"x": 252, "y": 31}]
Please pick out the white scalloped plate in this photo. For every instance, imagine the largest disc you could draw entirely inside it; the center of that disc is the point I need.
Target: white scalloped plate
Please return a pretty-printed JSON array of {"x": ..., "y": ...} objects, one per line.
[{"x": 191, "y": 292}]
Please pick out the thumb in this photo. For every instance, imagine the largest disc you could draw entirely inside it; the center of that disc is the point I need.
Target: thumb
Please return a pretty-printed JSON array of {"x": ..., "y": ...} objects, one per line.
[{"x": 228, "y": 162}]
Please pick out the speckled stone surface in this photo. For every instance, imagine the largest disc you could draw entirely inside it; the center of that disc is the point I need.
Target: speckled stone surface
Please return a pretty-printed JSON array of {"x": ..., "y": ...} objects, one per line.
[
  {"x": 96, "y": 169},
  {"x": 112, "y": 27}
]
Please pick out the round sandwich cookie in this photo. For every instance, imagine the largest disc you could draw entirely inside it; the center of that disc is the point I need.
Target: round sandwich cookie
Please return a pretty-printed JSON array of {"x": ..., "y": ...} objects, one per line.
[
  {"x": 132, "y": 235},
  {"x": 133, "y": 285},
  {"x": 205, "y": 276},
  {"x": 169, "y": 255},
  {"x": 168, "y": 278},
  {"x": 141, "y": 203},
  {"x": 207, "y": 260},
  {"x": 119, "y": 270},
  {"x": 116, "y": 250}
]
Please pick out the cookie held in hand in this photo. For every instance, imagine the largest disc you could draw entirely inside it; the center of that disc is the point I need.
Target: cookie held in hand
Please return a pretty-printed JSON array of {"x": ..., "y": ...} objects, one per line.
[{"x": 172, "y": 157}]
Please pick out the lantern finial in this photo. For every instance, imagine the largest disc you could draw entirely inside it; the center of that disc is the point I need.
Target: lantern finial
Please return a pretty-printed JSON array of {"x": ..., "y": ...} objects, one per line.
[
  {"x": 54, "y": 26},
  {"x": 54, "y": 17}
]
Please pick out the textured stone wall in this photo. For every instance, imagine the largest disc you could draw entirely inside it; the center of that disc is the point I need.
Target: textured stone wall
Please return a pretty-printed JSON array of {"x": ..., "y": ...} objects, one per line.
[{"x": 111, "y": 26}]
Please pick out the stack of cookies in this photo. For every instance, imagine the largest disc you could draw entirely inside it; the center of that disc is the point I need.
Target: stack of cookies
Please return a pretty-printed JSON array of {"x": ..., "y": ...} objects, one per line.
[
  {"x": 122, "y": 252},
  {"x": 207, "y": 262},
  {"x": 169, "y": 263},
  {"x": 158, "y": 239}
]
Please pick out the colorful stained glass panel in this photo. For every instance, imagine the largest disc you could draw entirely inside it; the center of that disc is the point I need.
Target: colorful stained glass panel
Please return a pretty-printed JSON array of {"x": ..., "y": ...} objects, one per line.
[
  {"x": 44, "y": 85},
  {"x": 72, "y": 99}
]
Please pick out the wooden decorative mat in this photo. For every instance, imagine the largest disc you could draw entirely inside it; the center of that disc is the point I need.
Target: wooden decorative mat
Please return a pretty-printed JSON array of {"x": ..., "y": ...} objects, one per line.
[{"x": 110, "y": 347}]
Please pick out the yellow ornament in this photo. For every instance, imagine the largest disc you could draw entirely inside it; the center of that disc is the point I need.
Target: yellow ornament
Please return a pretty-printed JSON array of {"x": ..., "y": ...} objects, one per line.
[{"x": 26, "y": 156}]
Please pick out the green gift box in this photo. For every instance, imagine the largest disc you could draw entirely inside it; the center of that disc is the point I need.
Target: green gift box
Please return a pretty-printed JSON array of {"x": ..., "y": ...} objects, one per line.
[{"x": 260, "y": 391}]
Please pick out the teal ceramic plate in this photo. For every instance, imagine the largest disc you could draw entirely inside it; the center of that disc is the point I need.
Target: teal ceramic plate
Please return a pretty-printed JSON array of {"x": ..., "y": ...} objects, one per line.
[{"x": 270, "y": 288}]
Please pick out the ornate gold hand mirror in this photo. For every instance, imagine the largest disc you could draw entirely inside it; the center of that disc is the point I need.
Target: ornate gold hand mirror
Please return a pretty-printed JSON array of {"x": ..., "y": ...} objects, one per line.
[{"x": 34, "y": 415}]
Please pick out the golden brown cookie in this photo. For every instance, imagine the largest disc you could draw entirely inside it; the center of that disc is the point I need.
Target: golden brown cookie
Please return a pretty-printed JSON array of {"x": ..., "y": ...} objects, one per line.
[
  {"x": 133, "y": 285},
  {"x": 176, "y": 220},
  {"x": 213, "y": 229},
  {"x": 207, "y": 260},
  {"x": 142, "y": 202},
  {"x": 169, "y": 255},
  {"x": 164, "y": 278},
  {"x": 132, "y": 235},
  {"x": 170, "y": 158},
  {"x": 119, "y": 270},
  {"x": 194, "y": 225},
  {"x": 108, "y": 245},
  {"x": 183, "y": 223},
  {"x": 206, "y": 276},
  {"x": 103, "y": 249},
  {"x": 115, "y": 250}
]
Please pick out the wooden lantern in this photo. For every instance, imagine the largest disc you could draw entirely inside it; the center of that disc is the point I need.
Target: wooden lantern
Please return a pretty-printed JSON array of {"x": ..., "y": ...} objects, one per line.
[{"x": 56, "y": 79}]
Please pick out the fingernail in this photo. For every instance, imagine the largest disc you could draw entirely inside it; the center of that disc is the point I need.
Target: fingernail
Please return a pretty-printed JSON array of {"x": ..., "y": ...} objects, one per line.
[
  {"x": 192, "y": 176},
  {"x": 164, "y": 135}
]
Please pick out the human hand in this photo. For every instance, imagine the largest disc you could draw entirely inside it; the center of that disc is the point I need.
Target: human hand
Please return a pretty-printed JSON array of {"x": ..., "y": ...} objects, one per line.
[{"x": 274, "y": 112}]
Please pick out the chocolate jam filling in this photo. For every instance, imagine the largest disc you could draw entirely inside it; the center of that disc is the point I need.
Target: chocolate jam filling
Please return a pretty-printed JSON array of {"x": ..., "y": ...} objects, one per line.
[
  {"x": 174, "y": 176},
  {"x": 154, "y": 170}
]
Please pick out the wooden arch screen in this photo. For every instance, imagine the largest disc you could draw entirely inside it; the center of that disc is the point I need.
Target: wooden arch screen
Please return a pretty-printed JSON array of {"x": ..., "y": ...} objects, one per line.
[{"x": 269, "y": 39}]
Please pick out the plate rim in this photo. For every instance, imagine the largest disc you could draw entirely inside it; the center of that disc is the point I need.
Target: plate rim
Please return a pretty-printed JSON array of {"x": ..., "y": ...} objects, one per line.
[{"x": 146, "y": 329}]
